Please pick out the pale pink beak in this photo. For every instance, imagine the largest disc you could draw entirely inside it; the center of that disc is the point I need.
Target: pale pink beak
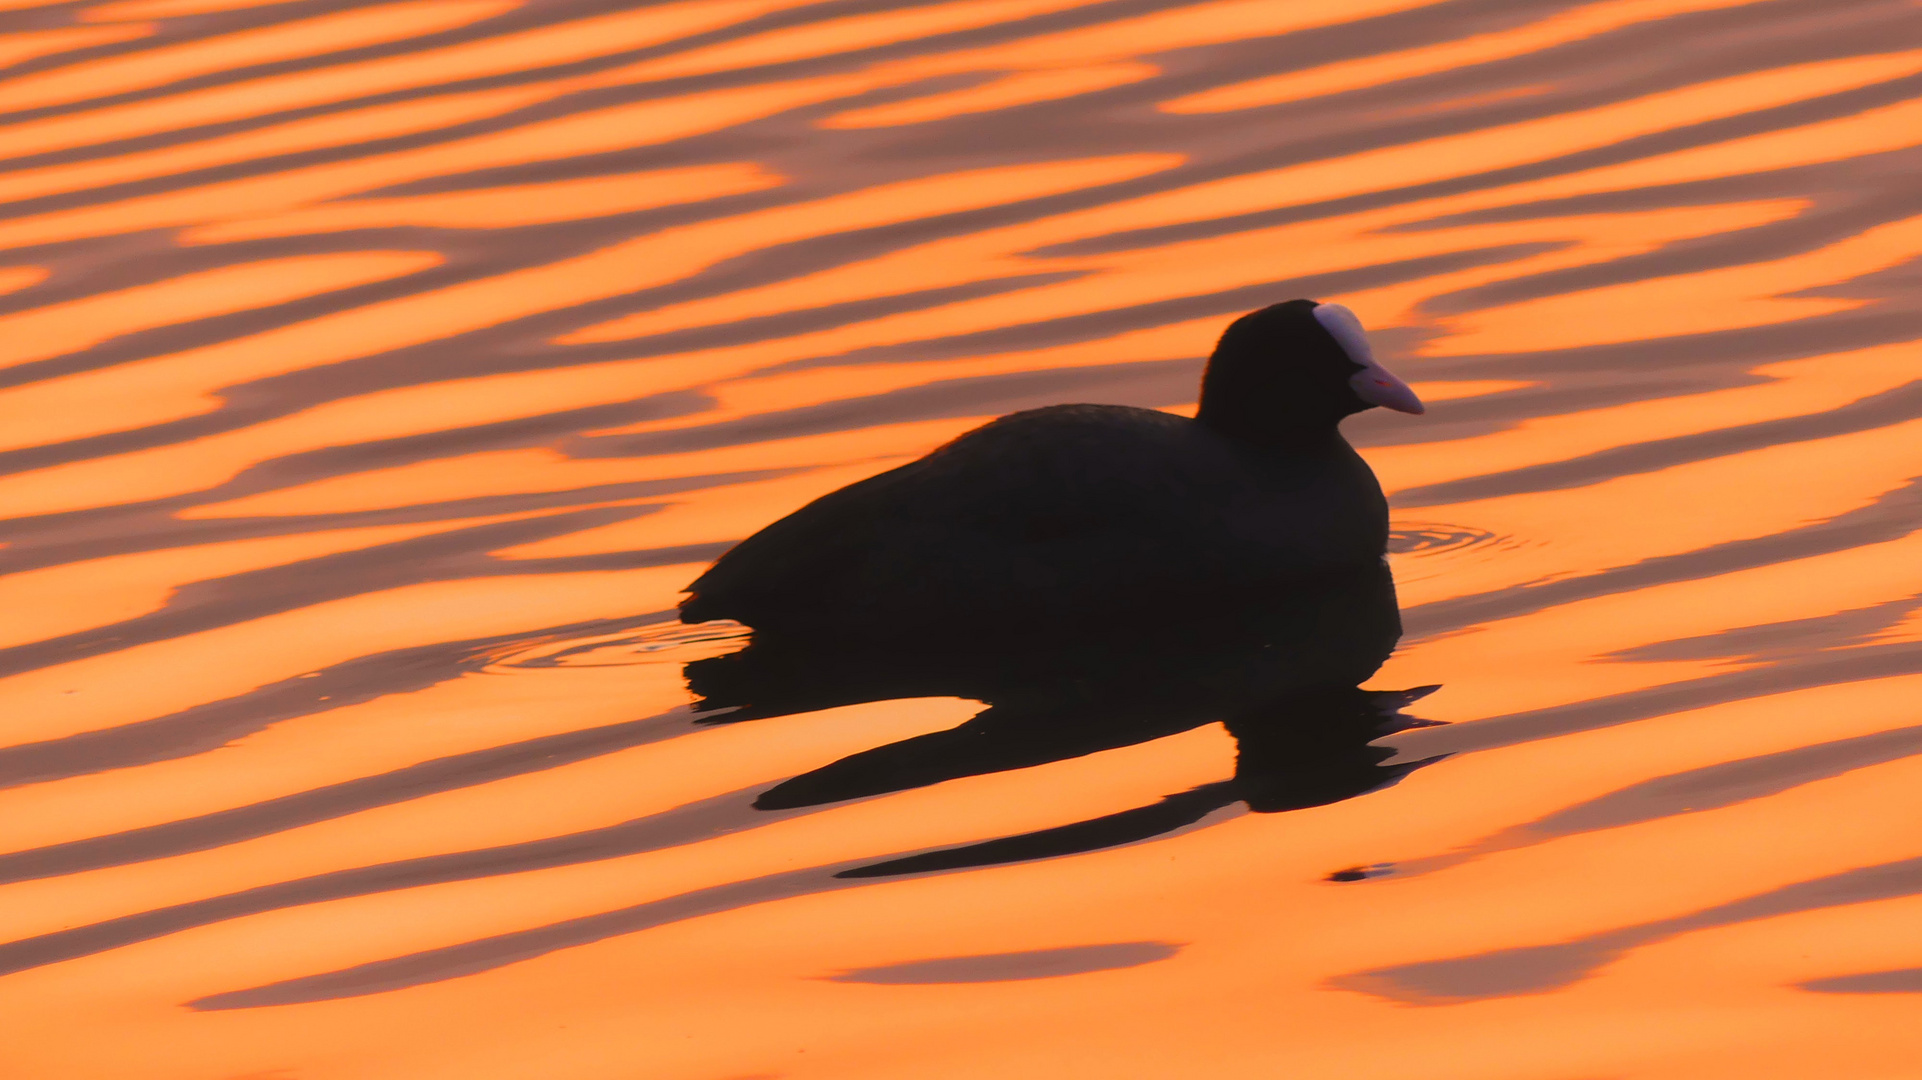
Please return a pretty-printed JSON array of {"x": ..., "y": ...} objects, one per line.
[{"x": 1378, "y": 386}]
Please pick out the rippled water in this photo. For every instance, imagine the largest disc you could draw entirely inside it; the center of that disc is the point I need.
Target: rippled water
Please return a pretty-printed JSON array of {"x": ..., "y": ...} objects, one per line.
[{"x": 377, "y": 375}]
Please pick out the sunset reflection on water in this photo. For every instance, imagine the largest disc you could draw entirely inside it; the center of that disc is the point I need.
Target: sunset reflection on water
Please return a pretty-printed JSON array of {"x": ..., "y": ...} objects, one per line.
[{"x": 376, "y": 376}]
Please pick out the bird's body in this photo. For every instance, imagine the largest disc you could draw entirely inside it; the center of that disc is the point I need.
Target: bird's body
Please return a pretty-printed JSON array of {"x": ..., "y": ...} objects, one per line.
[{"x": 1067, "y": 515}]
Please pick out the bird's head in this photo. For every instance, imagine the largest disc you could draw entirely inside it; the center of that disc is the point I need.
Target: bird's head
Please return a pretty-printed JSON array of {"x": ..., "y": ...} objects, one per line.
[{"x": 1294, "y": 370}]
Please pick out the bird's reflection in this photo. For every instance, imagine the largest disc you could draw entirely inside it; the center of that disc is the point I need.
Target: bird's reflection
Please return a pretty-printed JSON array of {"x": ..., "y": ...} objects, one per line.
[{"x": 1280, "y": 672}]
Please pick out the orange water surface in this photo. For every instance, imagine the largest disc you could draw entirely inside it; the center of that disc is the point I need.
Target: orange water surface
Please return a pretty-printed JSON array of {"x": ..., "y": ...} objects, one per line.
[{"x": 373, "y": 378}]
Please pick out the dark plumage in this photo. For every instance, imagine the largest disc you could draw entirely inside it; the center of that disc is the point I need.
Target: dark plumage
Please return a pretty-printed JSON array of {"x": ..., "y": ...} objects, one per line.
[{"x": 1052, "y": 515}]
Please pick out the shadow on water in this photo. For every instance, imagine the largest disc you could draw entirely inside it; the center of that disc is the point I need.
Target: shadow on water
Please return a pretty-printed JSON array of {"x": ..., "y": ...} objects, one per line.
[{"x": 1279, "y": 674}]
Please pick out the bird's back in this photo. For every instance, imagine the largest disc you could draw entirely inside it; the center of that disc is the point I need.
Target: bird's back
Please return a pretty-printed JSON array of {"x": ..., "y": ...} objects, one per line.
[{"x": 1050, "y": 512}]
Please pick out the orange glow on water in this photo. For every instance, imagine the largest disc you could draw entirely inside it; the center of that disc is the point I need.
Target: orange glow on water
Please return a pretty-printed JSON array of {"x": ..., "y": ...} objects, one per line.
[
  {"x": 522, "y": 204},
  {"x": 21, "y": 47},
  {"x": 378, "y": 377},
  {"x": 56, "y": 330},
  {"x": 1023, "y": 88},
  {"x": 165, "y": 64},
  {"x": 1431, "y": 59}
]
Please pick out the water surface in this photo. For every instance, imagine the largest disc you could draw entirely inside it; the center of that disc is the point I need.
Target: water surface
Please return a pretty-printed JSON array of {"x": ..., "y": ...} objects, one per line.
[{"x": 375, "y": 377}]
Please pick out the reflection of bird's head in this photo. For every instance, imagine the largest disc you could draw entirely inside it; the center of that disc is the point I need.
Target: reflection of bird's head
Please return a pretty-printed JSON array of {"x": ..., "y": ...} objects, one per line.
[{"x": 1293, "y": 370}]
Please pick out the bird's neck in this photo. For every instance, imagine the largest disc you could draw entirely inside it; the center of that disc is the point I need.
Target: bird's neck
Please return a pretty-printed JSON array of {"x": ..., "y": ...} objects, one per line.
[
  {"x": 1258, "y": 416},
  {"x": 1268, "y": 434}
]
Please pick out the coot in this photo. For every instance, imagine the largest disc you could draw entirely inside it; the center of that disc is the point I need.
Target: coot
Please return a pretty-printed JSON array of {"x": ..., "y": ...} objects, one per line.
[{"x": 1059, "y": 514}]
